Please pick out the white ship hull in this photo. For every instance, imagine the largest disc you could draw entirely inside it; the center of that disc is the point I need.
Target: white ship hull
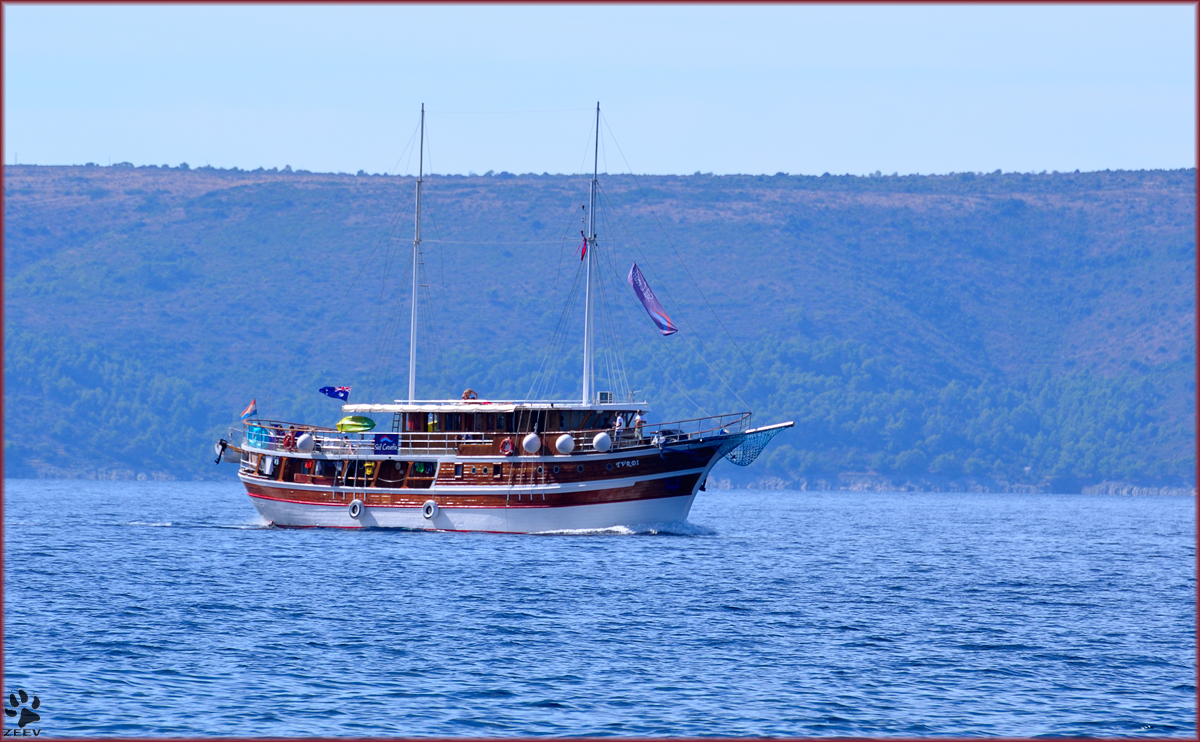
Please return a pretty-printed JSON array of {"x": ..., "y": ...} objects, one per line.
[{"x": 632, "y": 514}]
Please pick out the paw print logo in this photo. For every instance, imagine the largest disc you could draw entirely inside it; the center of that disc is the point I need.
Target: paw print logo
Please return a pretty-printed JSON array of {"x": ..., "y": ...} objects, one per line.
[{"x": 28, "y": 715}]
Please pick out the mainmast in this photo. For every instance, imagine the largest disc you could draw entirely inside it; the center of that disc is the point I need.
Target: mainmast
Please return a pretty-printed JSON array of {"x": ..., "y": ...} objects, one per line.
[
  {"x": 590, "y": 240},
  {"x": 416, "y": 258}
]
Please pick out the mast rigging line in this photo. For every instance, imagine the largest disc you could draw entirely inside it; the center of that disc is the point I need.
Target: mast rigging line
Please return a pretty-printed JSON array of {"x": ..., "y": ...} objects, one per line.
[
  {"x": 770, "y": 394},
  {"x": 680, "y": 313},
  {"x": 386, "y": 340},
  {"x": 551, "y": 365},
  {"x": 618, "y": 280}
]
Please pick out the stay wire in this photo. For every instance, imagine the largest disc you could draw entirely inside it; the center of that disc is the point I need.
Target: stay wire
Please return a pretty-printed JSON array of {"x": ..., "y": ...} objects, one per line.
[
  {"x": 551, "y": 359},
  {"x": 616, "y": 276},
  {"x": 682, "y": 317},
  {"x": 766, "y": 386},
  {"x": 407, "y": 147},
  {"x": 610, "y": 298},
  {"x": 558, "y": 357},
  {"x": 381, "y": 321},
  {"x": 386, "y": 342},
  {"x": 666, "y": 346}
]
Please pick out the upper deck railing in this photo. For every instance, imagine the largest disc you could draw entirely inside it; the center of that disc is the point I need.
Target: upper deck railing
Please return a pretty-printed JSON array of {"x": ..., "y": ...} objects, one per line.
[{"x": 277, "y": 436}]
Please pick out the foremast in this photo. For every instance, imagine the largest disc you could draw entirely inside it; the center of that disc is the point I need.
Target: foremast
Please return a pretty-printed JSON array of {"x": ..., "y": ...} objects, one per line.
[{"x": 590, "y": 248}]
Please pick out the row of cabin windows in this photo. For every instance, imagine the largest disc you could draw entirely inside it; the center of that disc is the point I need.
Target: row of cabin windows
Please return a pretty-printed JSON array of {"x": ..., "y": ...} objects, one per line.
[
  {"x": 417, "y": 474},
  {"x": 515, "y": 422},
  {"x": 454, "y": 422}
]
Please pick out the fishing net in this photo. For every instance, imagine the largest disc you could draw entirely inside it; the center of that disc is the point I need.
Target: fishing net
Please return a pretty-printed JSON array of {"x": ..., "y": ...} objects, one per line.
[{"x": 751, "y": 446}]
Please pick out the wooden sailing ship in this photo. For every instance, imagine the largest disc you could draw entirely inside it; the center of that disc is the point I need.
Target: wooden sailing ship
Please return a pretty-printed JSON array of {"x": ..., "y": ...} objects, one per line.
[{"x": 469, "y": 464}]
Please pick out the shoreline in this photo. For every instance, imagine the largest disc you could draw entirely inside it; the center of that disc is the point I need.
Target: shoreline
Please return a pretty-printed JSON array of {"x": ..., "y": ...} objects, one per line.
[
  {"x": 845, "y": 482},
  {"x": 854, "y": 482}
]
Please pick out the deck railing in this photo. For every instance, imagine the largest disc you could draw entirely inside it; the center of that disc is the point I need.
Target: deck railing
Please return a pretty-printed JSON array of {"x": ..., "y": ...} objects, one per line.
[{"x": 276, "y": 436}]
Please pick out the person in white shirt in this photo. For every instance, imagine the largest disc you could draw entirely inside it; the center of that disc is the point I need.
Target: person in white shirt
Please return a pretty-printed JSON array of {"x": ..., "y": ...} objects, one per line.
[
  {"x": 618, "y": 428},
  {"x": 638, "y": 422}
]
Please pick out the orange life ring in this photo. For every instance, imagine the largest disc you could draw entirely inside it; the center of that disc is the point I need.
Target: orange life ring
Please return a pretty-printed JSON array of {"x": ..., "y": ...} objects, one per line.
[
  {"x": 506, "y": 446},
  {"x": 289, "y": 441}
]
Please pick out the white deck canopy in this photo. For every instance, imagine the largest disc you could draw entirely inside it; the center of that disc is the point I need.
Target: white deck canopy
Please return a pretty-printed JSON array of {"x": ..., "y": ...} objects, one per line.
[{"x": 484, "y": 406}]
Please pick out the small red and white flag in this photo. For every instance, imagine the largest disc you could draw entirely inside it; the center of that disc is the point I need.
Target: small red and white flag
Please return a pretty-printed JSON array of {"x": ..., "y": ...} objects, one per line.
[{"x": 251, "y": 411}]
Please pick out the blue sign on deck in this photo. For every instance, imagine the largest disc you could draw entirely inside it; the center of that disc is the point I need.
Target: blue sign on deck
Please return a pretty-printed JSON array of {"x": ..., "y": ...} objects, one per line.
[{"x": 387, "y": 444}]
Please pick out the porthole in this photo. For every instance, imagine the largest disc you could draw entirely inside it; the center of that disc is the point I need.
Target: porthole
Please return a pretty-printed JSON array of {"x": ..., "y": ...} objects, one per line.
[
  {"x": 540, "y": 470},
  {"x": 472, "y": 470},
  {"x": 556, "y": 469},
  {"x": 579, "y": 468},
  {"x": 608, "y": 466},
  {"x": 485, "y": 470}
]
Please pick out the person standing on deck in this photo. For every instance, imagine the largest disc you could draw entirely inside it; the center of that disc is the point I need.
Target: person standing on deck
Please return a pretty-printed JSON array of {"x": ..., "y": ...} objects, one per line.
[
  {"x": 618, "y": 428},
  {"x": 638, "y": 422}
]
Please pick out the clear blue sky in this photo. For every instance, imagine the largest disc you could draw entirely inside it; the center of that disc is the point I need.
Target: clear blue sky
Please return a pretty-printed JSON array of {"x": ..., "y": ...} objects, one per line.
[{"x": 724, "y": 89}]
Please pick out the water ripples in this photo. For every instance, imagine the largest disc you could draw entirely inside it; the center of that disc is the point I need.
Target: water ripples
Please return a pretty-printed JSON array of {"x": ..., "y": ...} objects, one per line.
[{"x": 167, "y": 609}]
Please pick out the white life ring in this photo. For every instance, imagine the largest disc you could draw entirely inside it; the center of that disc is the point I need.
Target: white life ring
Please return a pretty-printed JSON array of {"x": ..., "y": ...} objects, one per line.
[
  {"x": 429, "y": 510},
  {"x": 355, "y": 509}
]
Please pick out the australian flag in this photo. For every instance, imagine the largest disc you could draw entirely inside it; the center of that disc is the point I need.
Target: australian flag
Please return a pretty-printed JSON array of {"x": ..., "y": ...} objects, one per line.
[{"x": 337, "y": 392}]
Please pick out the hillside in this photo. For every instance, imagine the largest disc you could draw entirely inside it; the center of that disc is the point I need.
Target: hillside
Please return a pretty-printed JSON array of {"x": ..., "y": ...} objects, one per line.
[{"x": 1001, "y": 331}]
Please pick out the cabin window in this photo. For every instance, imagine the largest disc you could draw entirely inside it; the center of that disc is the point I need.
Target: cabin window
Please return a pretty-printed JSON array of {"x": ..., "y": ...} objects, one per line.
[
  {"x": 431, "y": 423},
  {"x": 421, "y": 474},
  {"x": 458, "y": 471},
  {"x": 423, "y": 469},
  {"x": 501, "y": 422},
  {"x": 496, "y": 471}
]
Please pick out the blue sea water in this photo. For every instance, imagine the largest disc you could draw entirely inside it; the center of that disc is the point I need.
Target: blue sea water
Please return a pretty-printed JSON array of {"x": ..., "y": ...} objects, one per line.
[{"x": 165, "y": 609}]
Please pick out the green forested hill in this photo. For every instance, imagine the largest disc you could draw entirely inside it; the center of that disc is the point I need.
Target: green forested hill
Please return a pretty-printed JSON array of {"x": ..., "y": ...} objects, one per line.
[{"x": 969, "y": 330}]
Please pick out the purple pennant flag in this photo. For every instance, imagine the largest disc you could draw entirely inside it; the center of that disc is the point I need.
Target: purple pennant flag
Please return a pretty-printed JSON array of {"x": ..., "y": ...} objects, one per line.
[{"x": 650, "y": 301}]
